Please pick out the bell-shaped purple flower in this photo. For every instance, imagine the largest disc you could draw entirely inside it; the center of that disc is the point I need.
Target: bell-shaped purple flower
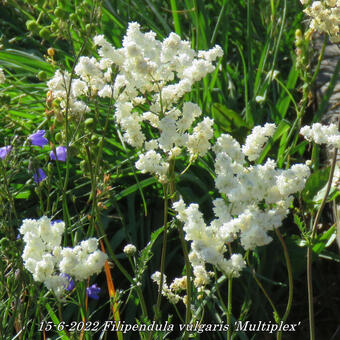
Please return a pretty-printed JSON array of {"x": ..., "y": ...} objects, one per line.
[
  {"x": 93, "y": 291},
  {"x": 4, "y": 151},
  {"x": 61, "y": 152},
  {"x": 39, "y": 176},
  {"x": 56, "y": 221},
  {"x": 38, "y": 138},
  {"x": 70, "y": 286}
]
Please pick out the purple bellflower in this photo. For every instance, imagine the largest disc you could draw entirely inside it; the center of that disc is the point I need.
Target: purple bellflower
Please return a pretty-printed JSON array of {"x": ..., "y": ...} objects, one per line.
[
  {"x": 38, "y": 138},
  {"x": 93, "y": 291},
  {"x": 4, "y": 151},
  {"x": 56, "y": 221},
  {"x": 71, "y": 284},
  {"x": 39, "y": 176},
  {"x": 61, "y": 154}
]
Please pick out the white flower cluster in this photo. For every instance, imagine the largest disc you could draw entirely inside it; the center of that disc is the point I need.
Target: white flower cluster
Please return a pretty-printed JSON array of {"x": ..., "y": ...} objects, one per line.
[
  {"x": 44, "y": 257},
  {"x": 67, "y": 94},
  {"x": 2, "y": 76},
  {"x": 152, "y": 77},
  {"x": 170, "y": 292},
  {"x": 325, "y": 17},
  {"x": 146, "y": 78},
  {"x": 255, "y": 200},
  {"x": 322, "y": 134},
  {"x": 256, "y": 141}
]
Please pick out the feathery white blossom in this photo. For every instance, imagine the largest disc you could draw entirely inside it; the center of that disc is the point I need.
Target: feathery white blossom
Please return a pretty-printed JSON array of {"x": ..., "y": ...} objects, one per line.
[
  {"x": 46, "y": 259},
  {"x": 322, "y": 134},
  {"x": 257, "y": 201},
  {"x": 256, "y": 141},
  {"x": 146, "y": 78},
  {"x": 169, "y": 293},
  {"x": 325, "y": 17}
]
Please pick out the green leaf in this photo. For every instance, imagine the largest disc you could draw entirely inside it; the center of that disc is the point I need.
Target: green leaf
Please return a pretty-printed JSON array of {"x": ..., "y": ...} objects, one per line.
[
  {"x": 56, "y": 322},
  {"x": 24, "y": 61},
  {"x": 282, "y": 104},
  {"x": 135, "y": 187},
  {"x": 324, "y": 240},
  {"x": 329, "y": 255},
  {"x": 146, "y": 254},
  {"x": 299, "y": 223},
  {"x": 224, "y": 113},
  {"x": 23, "y": 195},
  {"x": 314, "y": 184}
]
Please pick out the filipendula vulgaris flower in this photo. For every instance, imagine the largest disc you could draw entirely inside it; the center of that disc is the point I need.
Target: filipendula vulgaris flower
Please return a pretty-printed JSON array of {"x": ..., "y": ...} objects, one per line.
[
  {"x": 146, "y": 78},
  {"x": 325, "y": 17},
  {"x": 52, "y": 264},
  {"x": 322, "y": 134},
  {"x": 66, "y": 94},
  {"x": 254, "y": 200},
  {"x": 152, "y": 78}
]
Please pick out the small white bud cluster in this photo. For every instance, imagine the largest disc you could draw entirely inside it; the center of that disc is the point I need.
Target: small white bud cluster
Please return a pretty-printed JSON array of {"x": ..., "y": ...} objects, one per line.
[
  {"x": 325, "y": 17},
  {"x": 130, "y": 250},
  {"x": 46, "y": 259},
  {"x": 169, "y": 292},
  {"x": 256, "y": 200}
]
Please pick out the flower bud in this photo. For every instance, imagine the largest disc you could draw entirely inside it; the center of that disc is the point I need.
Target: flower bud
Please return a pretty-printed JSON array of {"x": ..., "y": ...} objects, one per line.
[
  {"x": 58, "y": 137},
  {"x": 45, "y": 33},
  {"x": 32, "y": 25},
  {"x": 89, "y": 123},
  {"x": 42, "y": 76},
  {"x": 129, "y": 250},
  {"x": 60, "y": 13},
  {"x": 51, "y": 51}
]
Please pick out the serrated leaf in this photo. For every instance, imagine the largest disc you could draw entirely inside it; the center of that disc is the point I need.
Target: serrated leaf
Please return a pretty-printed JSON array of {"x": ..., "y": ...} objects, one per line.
[
  {"x": 146, "y": 254},
  {"x": 299, "y": 223}
]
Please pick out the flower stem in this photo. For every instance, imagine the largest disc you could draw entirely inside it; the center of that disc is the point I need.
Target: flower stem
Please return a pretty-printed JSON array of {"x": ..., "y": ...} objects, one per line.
[
  {"x": 290, "y": 281},
  {"x": 230, "y": 294},
  {"x": 184, "y": 248},
  {"x": 309, "y": 249},
  {"x": 188, "y": 275},
  {"x": 264, "y": 292},
  {"x": 165, "y": 236}
]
